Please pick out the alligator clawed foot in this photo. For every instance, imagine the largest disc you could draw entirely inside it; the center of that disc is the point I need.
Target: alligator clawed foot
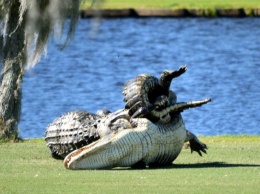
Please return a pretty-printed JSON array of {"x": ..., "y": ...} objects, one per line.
[
  {"x": 195, "y": 144},
  {"x": 198, "y": 146}
]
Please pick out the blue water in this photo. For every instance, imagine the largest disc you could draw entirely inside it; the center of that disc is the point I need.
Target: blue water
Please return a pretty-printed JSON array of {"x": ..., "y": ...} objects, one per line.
[{"x": 222, "y": 55}]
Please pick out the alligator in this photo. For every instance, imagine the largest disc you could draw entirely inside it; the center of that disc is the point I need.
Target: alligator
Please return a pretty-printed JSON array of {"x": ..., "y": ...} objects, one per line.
[
  {"x": 78, "y": 128},
  {"x": 148, "y": 131}
]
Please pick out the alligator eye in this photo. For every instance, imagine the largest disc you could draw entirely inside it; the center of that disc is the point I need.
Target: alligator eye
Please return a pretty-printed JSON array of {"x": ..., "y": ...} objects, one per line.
[{"x": 157, "y": 108}]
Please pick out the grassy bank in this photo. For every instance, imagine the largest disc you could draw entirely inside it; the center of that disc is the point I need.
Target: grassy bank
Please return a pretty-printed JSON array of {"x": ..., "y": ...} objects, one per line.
[
  {"x": 174, "y": 4},
  {"x": 232, "y": 165}
]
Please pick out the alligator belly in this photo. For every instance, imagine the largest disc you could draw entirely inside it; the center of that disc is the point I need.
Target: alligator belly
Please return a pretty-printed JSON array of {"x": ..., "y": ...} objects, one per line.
[{"x": 168, "y": 143}]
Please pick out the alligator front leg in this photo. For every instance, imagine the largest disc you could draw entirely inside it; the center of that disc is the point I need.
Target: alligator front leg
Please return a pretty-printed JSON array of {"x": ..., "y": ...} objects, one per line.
[
  {"x": 125, "y": 148},
  {"x": 195, "y": 144}
]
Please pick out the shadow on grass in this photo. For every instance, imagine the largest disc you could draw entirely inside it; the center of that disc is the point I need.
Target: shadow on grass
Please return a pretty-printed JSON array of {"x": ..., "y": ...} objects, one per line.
[
  {"x": 212, "y": 165},
  {"x": 196, "y": 165},
  {"x": 206, "y": 165}
]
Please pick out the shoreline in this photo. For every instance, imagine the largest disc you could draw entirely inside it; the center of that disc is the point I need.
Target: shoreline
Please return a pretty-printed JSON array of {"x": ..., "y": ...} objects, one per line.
[{"x": 171, "y": 13}]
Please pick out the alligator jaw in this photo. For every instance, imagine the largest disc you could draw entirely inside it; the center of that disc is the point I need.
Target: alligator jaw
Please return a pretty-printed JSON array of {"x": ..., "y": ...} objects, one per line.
[
  {"x": 179, "y": 107},
  {"x": 125, "y": 148},
  {"x": 168, "y": 76}
]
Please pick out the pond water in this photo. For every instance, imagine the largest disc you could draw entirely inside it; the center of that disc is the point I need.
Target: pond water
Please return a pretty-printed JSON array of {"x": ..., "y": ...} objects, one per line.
[{"x": 222, "y": 56}]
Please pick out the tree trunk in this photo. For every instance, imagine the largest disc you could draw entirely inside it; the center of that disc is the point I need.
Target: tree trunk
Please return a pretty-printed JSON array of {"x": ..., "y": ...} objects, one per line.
[{"x": 10, "y": 89}]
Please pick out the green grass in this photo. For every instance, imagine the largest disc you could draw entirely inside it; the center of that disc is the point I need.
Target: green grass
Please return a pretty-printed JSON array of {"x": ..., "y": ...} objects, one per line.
[
  {"x": 232, "y": 165},
  {"x": 203, "y": 4}
]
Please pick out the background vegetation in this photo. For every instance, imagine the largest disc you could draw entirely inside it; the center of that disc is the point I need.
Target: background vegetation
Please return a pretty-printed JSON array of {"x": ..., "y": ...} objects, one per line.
[
  {"x": 202, "y": 4},
  {"x": 232, "y": 165}
]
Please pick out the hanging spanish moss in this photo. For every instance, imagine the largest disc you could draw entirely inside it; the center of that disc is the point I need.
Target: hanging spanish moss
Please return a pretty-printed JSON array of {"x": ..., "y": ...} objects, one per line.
[{"x": 42, "y": 18}]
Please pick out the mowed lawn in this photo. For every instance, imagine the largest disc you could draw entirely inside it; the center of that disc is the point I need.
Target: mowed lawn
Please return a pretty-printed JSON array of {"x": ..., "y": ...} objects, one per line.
[
  {"x": 202, "y": 4},
  {"x": 232, "y": 165}
]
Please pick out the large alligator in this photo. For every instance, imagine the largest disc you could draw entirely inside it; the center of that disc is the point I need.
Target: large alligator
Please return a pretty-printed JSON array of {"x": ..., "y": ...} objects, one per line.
[{"x": 149, "y": 131}]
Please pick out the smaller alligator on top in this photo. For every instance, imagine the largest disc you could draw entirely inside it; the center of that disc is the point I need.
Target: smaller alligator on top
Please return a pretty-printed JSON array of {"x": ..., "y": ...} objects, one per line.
[
  {"x": 149, "y": 131},
  {"x": 146, "y": 96}
]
